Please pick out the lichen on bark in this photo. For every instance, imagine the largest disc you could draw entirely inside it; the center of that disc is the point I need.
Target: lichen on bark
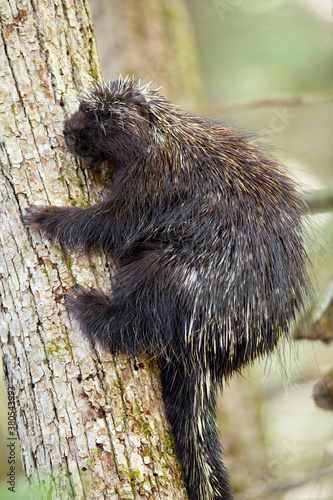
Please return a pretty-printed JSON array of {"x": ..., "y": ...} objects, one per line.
[{"x": 90, "y": 425}]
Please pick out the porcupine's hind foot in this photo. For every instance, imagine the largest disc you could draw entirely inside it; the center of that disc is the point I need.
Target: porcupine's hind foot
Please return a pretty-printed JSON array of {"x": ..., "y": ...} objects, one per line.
[
  {"x": 96, "y": 314},
  {"x": 115, "y": 322},
  {"x": 142, "y": 316}
]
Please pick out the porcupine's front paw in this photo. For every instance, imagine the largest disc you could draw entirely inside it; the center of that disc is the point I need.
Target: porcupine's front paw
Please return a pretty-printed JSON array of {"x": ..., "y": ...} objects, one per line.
[
  {"x": 42, "y": 218},
  {"x": 91, "y": 308}
]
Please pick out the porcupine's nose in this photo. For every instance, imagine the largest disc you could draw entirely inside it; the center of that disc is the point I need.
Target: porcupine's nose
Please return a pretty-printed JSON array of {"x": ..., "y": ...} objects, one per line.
[{"x": 70, "y": 141}]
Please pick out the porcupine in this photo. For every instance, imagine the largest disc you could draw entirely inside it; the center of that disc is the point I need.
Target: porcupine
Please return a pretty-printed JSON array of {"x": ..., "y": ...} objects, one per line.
[{"x": 207, "y": 234}]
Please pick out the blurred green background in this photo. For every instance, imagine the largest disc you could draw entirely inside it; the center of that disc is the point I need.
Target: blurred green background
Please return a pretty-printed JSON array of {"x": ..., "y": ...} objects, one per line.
[
  {"x": 273, "y": 434},
  {"x": 255, "y": 49}
]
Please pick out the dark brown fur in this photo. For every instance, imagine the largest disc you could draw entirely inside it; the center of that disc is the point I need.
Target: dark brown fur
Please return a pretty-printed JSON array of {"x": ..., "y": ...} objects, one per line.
[{"x": 207, "y": 233}]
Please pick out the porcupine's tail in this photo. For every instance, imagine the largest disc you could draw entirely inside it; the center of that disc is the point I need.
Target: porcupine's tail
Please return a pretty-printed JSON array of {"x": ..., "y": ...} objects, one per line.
[{"x": 190, "y": 406}]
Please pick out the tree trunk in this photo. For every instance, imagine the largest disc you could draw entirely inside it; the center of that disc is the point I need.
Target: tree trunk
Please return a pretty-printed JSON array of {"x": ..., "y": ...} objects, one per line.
[
  {"x": 90, "y": 425},
  {"x": 152, "y": 39}
]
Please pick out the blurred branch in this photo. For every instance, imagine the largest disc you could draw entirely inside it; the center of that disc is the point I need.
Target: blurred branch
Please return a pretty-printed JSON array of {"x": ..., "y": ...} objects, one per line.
[
  {"x": 323, "y": 392},
  {"x": 319, "y": 200},
  {"x": 290, "y": 484},
  {"x": 278, "y": 100},
  {"x": 322, "y": 327}
]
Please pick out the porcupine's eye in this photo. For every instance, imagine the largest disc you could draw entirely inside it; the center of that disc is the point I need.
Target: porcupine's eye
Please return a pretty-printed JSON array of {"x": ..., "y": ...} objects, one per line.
[{"x": 104, "y": 123}]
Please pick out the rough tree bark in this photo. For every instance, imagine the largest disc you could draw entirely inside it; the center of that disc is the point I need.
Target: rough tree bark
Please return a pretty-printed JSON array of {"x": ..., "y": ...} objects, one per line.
[{"x": 90, "y": 425}]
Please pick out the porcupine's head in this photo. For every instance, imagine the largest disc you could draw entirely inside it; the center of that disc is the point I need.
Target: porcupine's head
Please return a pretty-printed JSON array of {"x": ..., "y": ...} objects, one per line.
[{"x": 113, "y": 123}]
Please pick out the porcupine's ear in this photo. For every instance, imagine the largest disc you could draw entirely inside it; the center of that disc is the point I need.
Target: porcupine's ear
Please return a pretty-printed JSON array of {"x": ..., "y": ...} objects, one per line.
[{"x": 143, "y": 106}]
